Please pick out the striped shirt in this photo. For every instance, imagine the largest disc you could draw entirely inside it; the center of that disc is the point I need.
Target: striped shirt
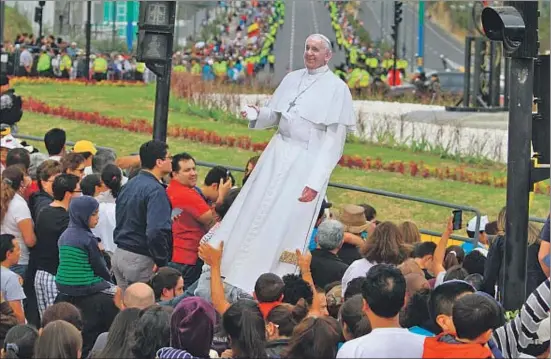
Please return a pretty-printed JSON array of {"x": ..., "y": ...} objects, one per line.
[
  {"x": 172, "y": 353},
  {"x": 521, "y": 332}
]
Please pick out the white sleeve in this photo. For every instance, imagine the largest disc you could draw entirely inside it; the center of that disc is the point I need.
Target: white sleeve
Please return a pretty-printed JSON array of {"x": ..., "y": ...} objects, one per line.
[
  {"x": 329, "y": 155},
  {"x": 21, "y": 210},
  {"x": 266, "y": 118}
]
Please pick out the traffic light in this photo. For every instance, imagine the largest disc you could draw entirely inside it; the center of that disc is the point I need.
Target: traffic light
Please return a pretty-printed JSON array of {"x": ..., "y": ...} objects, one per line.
[
  {"x": 156, "y": 31},
  {"x": 38, "y": 15},
  {"x": 42, "y": 3},
  {"x": 398, "y": 12}
]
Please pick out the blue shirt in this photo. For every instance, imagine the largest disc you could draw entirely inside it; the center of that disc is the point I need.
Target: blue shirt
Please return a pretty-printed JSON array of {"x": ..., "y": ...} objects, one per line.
[
  {"x": 421, "y": 331},
  {"x": 312, "y": 243}
]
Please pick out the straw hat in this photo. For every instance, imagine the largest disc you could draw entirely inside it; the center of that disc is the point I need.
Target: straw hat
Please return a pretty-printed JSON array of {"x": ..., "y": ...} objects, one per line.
[{"x": 353, "y": 219}]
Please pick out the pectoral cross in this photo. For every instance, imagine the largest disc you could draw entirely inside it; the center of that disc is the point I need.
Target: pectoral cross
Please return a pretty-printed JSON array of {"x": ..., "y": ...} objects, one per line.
[{"x": 291, "y": 105}]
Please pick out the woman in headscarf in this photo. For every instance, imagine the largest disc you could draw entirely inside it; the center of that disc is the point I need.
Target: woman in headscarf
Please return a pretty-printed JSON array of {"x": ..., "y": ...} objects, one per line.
[
  {"x": 191, "y": 330},
  {"x": 82, "y": 270}
]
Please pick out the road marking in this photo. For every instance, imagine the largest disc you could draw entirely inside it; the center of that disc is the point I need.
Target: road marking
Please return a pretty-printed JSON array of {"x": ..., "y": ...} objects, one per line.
[
  {"x": 291, "y": 50},
  {"x": 315, "y": 17}
]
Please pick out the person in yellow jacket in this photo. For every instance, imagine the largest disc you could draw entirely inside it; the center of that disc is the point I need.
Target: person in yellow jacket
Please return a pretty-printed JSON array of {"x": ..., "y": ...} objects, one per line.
[
  {"x": 44, "y": 65},
  {"x": 65, "y": 64},
  {"x": 140, "y": 70},
  {"x": 271, "y": 61},
  {"x": 195, "y": 67},
  {"x": 100, "y": 67}
]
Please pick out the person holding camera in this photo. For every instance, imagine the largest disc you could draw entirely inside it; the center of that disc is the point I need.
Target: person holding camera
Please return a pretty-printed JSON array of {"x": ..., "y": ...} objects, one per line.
[{"x": 11, "y": 105}]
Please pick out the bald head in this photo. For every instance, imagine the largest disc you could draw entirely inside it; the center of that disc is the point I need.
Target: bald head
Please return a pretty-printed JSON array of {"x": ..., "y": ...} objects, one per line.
[{"x": 138, "y": 295}]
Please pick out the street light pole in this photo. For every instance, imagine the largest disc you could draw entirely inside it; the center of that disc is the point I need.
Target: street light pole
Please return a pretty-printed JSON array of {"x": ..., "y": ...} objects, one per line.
[
  {"x": 2, "y": 16},
  {"x": 114, "y": 25},
  {"x": 88, "y": 37}
]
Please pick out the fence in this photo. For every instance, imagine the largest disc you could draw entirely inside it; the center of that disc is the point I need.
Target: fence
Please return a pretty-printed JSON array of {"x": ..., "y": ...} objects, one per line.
[{"x": 377, "y": 192}]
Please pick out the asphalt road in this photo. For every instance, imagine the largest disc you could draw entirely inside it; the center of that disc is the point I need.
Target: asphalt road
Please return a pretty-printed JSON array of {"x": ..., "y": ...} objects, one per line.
[
  {"x": 378, "y": 17},
  {"x": 302, "y": 18}
]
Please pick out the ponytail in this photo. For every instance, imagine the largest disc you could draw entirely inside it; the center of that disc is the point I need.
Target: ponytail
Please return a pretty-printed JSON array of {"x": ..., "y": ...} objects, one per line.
[
  {"x": 454, "y": 256},
  {"x": 12, "y": 179},
  {"x": 19, "y": 342},
  {"x": 112, "y": 178}
]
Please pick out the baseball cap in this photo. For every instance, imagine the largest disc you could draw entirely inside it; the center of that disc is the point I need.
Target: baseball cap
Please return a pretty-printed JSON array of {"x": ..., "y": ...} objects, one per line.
[
  {"x": 471, "y": 226},
  {"x": 5, "y": 129},
  {"x": 9, "y": 142},
  {"x": 84, "y": 146}
]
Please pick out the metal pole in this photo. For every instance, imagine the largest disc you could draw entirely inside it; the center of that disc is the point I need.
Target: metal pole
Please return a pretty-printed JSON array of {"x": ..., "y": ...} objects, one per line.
[
  {"x": 396, "y": 34},
  {"x": 114, "y": 25},
  {"x": 421, "y": 37},
  {"x": 382, "y": 21},
  {"x": 162, "y": 95},
  {"x": 88, "y": 37},
  {"x": 2, "y": 16},
  {"x": 518, "y": 181},
  {"x": 475, "y": 92},
  {"x": 507, "y": 72},
  {"x": 467, "y": 76},
  {"x": 40, "y": 22}
]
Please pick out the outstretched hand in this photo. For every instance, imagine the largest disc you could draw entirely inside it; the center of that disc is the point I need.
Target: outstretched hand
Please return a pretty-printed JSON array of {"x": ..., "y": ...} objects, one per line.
[
  {"x": 210, "y": 255},
  {"x": 308, "y": 195},
  {"x": 244, "y": 113}
]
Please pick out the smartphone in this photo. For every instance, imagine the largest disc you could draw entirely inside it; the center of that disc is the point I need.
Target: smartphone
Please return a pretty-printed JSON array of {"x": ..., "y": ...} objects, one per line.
[{"x": 457, "y": 219}]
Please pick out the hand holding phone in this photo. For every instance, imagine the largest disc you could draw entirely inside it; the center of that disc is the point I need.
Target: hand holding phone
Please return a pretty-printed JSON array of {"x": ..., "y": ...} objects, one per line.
[{"x": 457, "y": 219}]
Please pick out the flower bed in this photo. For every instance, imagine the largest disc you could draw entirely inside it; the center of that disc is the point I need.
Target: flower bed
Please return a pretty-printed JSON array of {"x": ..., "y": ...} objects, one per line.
[
  {"x": 413, "y": 169},
  {"x": 82, "y": 82}
]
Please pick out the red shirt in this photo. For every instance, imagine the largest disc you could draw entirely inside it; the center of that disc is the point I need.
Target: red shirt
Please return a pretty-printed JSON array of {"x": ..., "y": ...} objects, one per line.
[
  {"x": 31, "y": 189},
  {"x": 187, "y": 206},
  {"x": 434, "y": 348}
]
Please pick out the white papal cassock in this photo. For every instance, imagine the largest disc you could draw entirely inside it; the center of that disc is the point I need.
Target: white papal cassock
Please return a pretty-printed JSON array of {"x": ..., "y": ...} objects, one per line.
[{"x": 266, "y": 223}]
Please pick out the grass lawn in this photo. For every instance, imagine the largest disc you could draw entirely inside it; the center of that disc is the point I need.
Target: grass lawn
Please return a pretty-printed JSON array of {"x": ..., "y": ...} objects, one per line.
[
  {"x": 138, "y": 102},
  {"x": 488, "y": 200}
]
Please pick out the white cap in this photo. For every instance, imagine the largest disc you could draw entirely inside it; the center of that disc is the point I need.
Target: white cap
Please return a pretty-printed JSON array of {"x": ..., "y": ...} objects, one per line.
[
  {"x": 9, "y": 142},
  {"x": 471, "y": 226}
]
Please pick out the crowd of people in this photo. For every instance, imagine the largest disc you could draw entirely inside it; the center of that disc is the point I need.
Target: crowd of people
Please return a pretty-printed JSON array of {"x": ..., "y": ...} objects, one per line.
[{"x": 110, "y": 258}]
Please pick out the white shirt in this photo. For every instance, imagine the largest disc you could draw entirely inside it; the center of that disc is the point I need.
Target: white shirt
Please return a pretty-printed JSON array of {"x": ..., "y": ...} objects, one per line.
[
  {"x": 358, "y": 268},
  {"x": 384, "y": 343},
  {"x": 18, "y": 210}
]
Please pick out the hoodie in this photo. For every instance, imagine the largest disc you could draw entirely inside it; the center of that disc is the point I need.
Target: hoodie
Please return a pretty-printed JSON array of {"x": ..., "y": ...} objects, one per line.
[
  {"x": 446, "y": 346},
  {"x": 82, "y": 270}
]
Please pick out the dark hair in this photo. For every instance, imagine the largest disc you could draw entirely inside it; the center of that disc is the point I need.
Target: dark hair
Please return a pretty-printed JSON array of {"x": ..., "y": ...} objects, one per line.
[
  {"x": 443, "y": 298},
  {"x": 314, "y": 337},
  {"x": 476, "y": 280},
  {"x": 295, "y": 289},
  {"x": 491, "y": 228},
  {"x": 268, "y": 288},
  {"x": 385, "y": 245},
  {"x": 119, "y": 339},
  {"x": 474, "y": 314},
  {"x": 369, "y": 211},
  {"x": 59, "y": 339},
  {"x": 218, "y": 173},
  {"x": 287, "y": 316},
  {"x": 384, "y": 290},
  {"x": 89, "y": 183},
  {"x": 54, "y": 140},
  {"x": 224, "y": 207},
  {"x": 63, "y": 311},
  {"x": 474, "y": 262},
  {"x": 111, "y": 176},
  {"x": 253, "y": 160},
  {"x": 184, "y": 156},
  {"x": 164, "y": 278},
  {"x": 354, "y": 287},
  {"x": 19, "y": 342},
  {"x": 455, "y": 273},
  {"x": 64, "y": 183},
  {"x": 244, "y": 324},
  {"x": 353, "y": 316},
  {"x": 152, "y": 151},
  {"x": 151, "y": 332},
  {"x": 454, "y": 256},
  {"x": 416, "y": 311},
  {"x": 6, "y": 245},
  {"x": 19, "y": 156},
  {"x": 71, "y": 161},
  {"x": 423, "y": 249},
  {"x": 46, "y": 170}
]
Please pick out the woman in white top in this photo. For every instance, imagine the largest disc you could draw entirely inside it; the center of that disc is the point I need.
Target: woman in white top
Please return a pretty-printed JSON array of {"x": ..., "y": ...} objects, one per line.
[
  {"x": 384, "y": 245},
  {"x": 111, "y": 179},
  {"x": 15, "y": 215}
]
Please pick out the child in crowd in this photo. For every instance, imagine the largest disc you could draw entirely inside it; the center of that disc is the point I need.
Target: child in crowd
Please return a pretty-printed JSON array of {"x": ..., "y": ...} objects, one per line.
[{"x": 475, "y": 317}]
